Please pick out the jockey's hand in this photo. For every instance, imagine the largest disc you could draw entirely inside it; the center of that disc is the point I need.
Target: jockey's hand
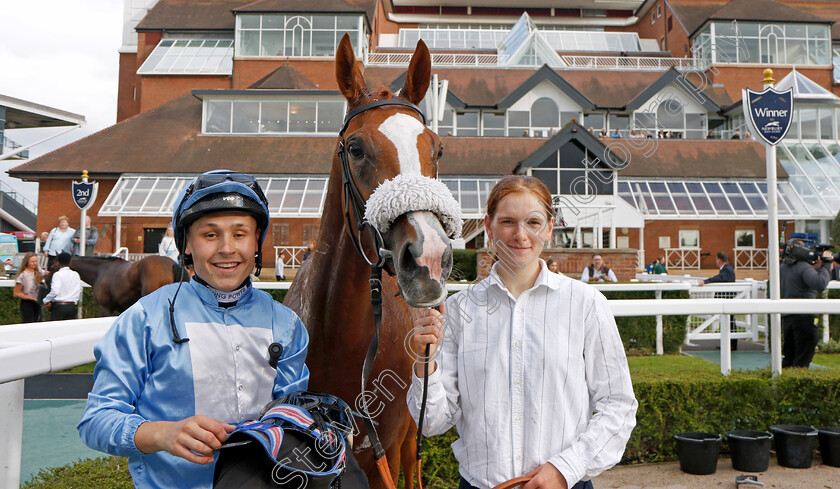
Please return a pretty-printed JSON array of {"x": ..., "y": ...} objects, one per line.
[
  {"x": 546, "y": 476},
  {"x": 428, "y": 329},
  {"x": 192, "y": 439}
]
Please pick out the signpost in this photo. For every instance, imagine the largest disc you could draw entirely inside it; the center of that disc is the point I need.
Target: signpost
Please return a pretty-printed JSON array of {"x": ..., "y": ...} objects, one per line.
[
  {"x": 84, "y": 194},
  {"x": 768, "y": 115}
]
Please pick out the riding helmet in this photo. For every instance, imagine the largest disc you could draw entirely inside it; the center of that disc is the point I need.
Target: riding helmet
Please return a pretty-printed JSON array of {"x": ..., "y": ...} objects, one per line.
[{"x": 220, "y": 190}]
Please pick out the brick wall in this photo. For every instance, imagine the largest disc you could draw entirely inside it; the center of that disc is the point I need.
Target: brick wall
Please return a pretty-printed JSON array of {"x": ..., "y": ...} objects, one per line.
[{"x": 573, "y": 261}]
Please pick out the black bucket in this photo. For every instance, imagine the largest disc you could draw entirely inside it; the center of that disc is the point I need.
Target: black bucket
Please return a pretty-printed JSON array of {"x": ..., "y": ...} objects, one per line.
[
  {"x": 830, "y": 446},
  {"x": 750, "y": 450},
  {"x": 698, "y": 452},
  {"x": 795, "y": 445}
]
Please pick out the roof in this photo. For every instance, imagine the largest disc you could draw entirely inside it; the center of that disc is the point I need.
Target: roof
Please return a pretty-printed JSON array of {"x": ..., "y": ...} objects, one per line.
[
  {"x": 571, "y": 131},
  {"x": 670, "y": 76},
  {"x": 546, "y": 74},
  {"x": 693, "y": 14},
  {"x": 179, "y": 148},
  {"x": 367, "y": 7},
  {"x": 191, "y": 15},
  {"x": 825, "y": 9},
  {"x": 218, "y": 14},
  {"x": 285, "y": 77},
  {"x": 22, "y": 114},
  {"x": 686, "y": 158}
]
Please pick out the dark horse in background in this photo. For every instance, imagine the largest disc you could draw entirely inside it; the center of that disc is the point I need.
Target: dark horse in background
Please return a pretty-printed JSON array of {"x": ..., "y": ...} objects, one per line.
[
  {"x": 331, "y": 293},
  {"x": 117, "y": 283}
]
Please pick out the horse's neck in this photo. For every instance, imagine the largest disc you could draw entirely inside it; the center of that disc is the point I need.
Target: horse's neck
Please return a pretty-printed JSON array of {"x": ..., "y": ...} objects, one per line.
[{"x": 88, "y": 268}]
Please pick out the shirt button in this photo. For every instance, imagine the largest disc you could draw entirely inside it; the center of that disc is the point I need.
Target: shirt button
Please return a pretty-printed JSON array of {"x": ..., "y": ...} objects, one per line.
[
  {"x": 518, "y": 419},
  {"x": 237, "y": 348},
  {"x": 240, "y": 387},
  {"x": 516, "y": 381},
  {"x": 517, "y": 343},
  {"x": 518, "y": 458}
]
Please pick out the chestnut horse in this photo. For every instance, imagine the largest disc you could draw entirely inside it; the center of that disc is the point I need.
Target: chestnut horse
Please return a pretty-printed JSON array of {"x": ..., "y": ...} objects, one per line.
[
  {"x": 331, "y": 292},
  {"x": 117, "y": 283}
]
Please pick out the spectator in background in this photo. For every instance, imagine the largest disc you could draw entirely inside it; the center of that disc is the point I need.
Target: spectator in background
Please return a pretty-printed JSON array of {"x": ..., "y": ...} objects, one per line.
[
  {"x": 615, "y": 134},
  {"x": 310, "y": 248},
  {"x": 60, "y": 240},
  {"x": 598, "y": 272},
  {"x": 553, "y": 265},
  {"x": 737, "y": 134},
  {"x": 651, "y": 266},
  {"x": 65, "y": 290},
  {"x": 725, "y": 274},
  {"x": 603, "y": 134},
  {"x": 167, "y": 245},
  {"x": 27, "y": 283},
  {"x": 659, "y": 268},
  {"x": 280, "y": 266},
  {"x": 43, "y": 242},
  {"x": 91, "y": 237}
]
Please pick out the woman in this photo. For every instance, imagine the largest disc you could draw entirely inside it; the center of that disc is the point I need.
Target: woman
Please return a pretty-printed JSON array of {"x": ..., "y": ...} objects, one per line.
[
  {"x": 167, "y": 245},
  {"x": 525, "y": 356},
  {"x": 27, "y": 283},
  {"x": 553, "y": 265}
]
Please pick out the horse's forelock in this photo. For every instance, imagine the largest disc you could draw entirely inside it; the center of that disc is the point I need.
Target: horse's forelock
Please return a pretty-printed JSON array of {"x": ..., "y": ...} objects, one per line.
[{"x": 367, "y": 96}]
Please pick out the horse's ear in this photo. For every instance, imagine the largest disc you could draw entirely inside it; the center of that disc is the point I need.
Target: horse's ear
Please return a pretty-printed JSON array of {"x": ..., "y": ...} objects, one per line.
[
  {"x": 347, "y": 73},
  {"x": 419, "y": 74}
]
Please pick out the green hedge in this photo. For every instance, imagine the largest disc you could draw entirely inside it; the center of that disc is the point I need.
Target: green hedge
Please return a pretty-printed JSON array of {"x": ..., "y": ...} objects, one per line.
[
  {"x": 10, "y": 307},
  {"x": 464, "y": 264},
  {"x": 639, "y": 333},
  {"x": 833, "y": 319}
]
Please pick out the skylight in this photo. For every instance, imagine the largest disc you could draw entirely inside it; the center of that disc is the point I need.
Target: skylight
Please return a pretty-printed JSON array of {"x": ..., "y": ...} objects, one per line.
[{"x": 190, "y": 57}]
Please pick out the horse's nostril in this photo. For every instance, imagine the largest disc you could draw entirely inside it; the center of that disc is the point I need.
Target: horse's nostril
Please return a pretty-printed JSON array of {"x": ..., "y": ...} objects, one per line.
[{"x": 407, "y": 260}]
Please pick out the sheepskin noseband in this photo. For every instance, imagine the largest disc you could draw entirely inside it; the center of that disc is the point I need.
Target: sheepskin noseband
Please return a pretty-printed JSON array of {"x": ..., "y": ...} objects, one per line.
[{"x": 411, "y": 192}]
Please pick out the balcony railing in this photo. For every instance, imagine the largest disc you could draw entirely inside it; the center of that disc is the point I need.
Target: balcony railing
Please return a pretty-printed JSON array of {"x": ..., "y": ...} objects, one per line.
[
  {"x": 14, "y": 194},
  {"x": 682, "y": 258},
  {"x": 438, "y": 59},
  {"x": 750, "y": 258},
  {"x": 635, "y": 63},
  {"x": 9, "y": 146}
]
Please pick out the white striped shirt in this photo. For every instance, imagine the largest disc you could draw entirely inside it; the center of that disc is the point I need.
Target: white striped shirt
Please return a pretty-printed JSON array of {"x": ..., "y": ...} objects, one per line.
[{"x": 540, "y": 379}]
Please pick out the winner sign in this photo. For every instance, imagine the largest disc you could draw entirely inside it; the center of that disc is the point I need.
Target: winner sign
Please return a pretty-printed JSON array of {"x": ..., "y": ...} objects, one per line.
[{"x": 769, "y": 112}]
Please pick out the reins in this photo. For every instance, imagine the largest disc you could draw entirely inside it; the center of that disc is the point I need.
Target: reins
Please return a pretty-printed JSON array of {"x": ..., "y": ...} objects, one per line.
[{"x": 353, "y": 202}]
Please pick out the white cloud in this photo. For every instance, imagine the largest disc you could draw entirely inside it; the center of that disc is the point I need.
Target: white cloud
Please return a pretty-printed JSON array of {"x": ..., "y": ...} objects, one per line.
[{"x": 64, "y": 55}]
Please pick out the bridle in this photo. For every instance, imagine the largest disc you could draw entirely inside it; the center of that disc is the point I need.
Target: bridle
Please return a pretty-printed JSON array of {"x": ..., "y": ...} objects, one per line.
[{"x": 355, "y": 204}]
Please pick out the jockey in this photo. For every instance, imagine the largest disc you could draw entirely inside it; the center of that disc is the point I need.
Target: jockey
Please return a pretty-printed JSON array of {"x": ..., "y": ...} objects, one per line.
[{"x": 171, "y": 382}]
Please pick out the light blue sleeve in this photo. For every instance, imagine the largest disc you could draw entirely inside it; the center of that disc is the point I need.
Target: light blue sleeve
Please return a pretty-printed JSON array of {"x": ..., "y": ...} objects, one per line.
[
  {"x": 292, "y": 372},
  {"x": 109, "y": 421}
]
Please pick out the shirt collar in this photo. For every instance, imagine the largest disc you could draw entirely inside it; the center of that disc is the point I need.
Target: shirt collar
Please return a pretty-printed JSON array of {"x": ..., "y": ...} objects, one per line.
[
  {"x": 546, "y": 277},
  {"x": 208, "y": 297}
]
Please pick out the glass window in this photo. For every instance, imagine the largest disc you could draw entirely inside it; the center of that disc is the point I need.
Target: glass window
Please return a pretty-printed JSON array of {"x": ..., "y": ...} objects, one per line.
[
  {"x": 246, "y": 117},
  {"x": 302, "y": 116},
  {"x": 808, "y": 120},
  {"x": 548, "y": 177},
  {"x": 295, "y": 35},
  {"x": 594, "y": 120},
  {"x": 689, "y": 238},
  {"x": 826, "y": 123},
  {"x": 716, "y": 195},
  {"x": 218, "y": 116},
  {"x": 698, "y": 198},
  {"x": 745, "y": 238},
  {"x": 519, "y": 121},
  {"x": 739, "y": 203},
  {"x": 494, "y": 123},
  {"x": 661, "y": 197},
  {"x": 670, "y": 116},
  {"x": 681, "y": 198},
  {"x": 467, "y": 124},
  {"x": 645, "y": 121},
  {"x": 294, "y": 195},
  {"x": 544, "y": 113},
  {"x": 275, "y": 117},
  {"x": 330, "y": 116}
]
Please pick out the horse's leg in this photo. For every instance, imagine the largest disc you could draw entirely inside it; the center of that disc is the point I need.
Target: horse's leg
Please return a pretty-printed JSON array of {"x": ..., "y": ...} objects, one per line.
[{"x": 408, "y": 453}]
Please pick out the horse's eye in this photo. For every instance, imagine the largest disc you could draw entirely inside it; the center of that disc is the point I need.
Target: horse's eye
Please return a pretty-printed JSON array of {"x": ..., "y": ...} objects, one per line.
[
  {"x": 355, "y": 151},
  {"x": 440, "y": 152}
]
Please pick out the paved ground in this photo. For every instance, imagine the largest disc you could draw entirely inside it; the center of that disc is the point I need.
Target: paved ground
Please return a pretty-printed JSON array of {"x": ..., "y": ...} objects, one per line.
[{"x": 668, "y": 475}]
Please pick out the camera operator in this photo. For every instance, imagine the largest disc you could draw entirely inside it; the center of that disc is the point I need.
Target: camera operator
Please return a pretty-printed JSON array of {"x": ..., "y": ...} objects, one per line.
[{"x": 802, "y": 275}]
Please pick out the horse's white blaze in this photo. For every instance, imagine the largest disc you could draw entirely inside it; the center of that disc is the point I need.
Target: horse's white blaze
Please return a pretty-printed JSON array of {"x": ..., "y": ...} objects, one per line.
[
  {"x": 402, "y": 130},
  {"x": 433, "y": 246}
]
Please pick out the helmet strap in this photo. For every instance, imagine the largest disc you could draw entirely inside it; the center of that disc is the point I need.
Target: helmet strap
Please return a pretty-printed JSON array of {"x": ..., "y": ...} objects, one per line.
[{"x": 257, "y": 263}]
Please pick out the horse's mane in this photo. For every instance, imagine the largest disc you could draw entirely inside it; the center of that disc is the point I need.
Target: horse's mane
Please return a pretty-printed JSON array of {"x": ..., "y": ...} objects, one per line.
[{"x": 109, "y": 258}]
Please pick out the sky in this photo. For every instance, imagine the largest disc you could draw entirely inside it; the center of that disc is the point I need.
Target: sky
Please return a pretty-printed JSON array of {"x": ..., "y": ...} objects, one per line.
[{"x": 62, "y": 54}]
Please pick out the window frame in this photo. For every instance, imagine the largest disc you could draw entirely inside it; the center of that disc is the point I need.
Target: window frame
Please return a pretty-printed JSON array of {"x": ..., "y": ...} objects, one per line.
[
  {"x": 680, "y": 238},
  {"x": 751, "y": 232}
]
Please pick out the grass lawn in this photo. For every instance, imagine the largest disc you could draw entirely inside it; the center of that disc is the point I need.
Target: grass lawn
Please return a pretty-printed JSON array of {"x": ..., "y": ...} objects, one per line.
[
  {"x": 830, "y": 360},
  {"x": 672, "y": 367}
]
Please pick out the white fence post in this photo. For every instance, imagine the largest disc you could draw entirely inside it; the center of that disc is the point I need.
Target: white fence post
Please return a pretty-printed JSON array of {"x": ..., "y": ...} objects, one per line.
[
  {"x": 11, "y": 432},
  {"x": 725, "y": 352},
  {"x": 660, "y": 349}
]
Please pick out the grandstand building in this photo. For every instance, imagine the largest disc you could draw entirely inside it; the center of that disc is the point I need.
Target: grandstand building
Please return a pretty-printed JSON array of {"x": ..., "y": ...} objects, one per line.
[{"x": 629, "y": 110}]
